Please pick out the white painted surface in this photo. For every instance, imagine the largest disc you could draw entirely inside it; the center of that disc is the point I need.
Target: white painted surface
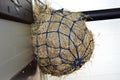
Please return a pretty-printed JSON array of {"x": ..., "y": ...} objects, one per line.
[
  {"x": 15, "y": 48},
  {"x": 83, "y": 5},
  {"x": 105, "y": 63}
]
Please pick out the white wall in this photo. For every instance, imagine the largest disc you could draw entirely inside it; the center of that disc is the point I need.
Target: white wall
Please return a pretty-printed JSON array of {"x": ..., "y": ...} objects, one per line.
[
  {"x": 83, "y": 5},
  {"x": 105, "y": 63},
  {"x": 15, "y": 48}
]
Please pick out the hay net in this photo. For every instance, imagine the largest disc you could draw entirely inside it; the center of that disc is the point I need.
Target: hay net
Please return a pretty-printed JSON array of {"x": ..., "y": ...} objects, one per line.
[{"x": 62, "y": 42}]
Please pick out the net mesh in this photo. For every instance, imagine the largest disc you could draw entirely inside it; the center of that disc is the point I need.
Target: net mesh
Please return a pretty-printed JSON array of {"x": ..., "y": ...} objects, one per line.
[{"x": 61, "y": 41}]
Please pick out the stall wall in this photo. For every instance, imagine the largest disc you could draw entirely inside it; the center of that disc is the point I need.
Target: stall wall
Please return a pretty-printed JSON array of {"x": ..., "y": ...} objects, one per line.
[{"x": 15, "y": 48}]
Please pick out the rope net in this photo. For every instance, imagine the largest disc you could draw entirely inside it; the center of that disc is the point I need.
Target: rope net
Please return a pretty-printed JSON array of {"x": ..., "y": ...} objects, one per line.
[{"x": 62, "y": 42}]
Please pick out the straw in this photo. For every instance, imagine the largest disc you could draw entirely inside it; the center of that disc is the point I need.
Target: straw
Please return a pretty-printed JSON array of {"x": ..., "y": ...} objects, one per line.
[{"x": 61, "y": 40}]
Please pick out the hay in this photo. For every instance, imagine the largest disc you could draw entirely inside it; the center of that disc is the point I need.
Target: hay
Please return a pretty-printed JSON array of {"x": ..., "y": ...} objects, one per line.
[{"x": 61, "y": 40}]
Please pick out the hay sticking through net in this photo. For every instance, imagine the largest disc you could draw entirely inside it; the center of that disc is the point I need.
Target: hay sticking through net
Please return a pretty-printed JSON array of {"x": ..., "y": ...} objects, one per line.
[{"x": 61, "y": 40}]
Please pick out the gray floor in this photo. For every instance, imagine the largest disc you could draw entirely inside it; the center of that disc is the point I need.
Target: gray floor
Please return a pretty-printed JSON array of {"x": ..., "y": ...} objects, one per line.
[{"x": 27, "y": 71}]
